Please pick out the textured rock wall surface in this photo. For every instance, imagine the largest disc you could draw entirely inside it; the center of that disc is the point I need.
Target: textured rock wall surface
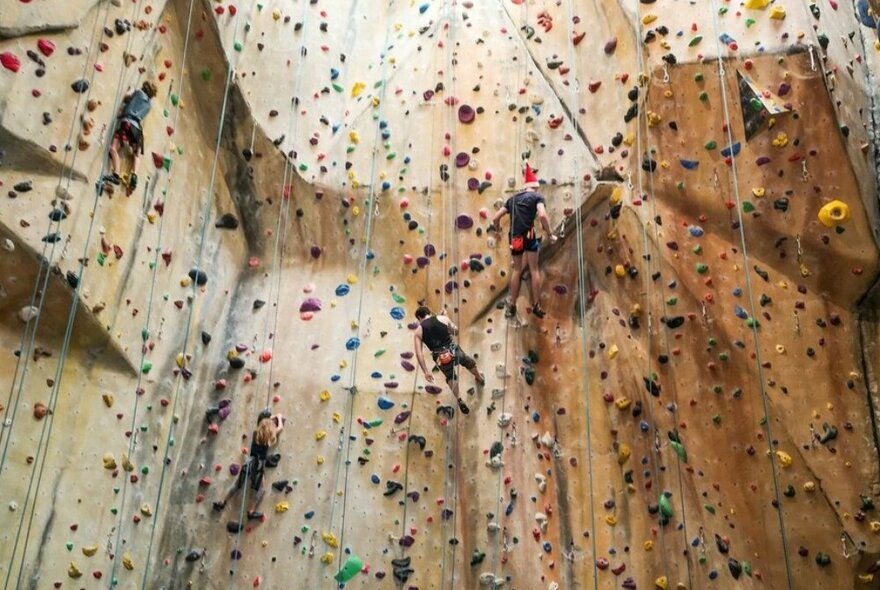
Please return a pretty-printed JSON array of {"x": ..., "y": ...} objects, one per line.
[{"x": 696, "y": 410}]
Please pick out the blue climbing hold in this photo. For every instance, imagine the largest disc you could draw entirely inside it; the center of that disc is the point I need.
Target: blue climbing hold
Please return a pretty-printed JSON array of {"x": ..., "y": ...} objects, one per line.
[
  {"x": 731, "y": 150},
  {"x": 548, "y": 547},
  {"x": 384, "y": 403},
  {"x": 487, "y": 261},
  {"x": 353, "y": 343},
  {"x": 309, "y": 515},
  {"x": 643, "y": 426},
  {"x": 342, "y": 290},
  {"x": 334, "y": 73},
  {"x": 689, "y": 164},
  {"x": 696, "y": 231},
  {"x": 424, "y": 8},
  {"x": 737, "y": 292},
  {"x": 376, "y": 375},
  {"x": 740, "y": 312},
  {"x": 335, "y": 378},
  {"x": 375, "y": 478},
  {"x": 536, "y": 417},
  {"x": 398, "y": 313}
]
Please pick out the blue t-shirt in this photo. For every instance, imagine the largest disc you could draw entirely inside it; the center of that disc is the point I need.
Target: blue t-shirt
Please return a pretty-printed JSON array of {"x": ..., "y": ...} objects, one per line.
[
  {"x": 523, "y": 208},
  {"x": 137, "y": 107}
]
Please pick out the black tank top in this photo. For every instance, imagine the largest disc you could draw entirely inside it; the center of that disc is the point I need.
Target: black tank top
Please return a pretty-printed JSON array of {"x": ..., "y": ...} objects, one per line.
[{"x": 435, "y": 334}]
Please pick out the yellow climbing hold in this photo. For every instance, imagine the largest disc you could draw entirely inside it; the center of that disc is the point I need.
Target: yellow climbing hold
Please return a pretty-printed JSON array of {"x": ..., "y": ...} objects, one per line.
[
  {"x": 281, "y": 507},
  {"x": 648, "y": 19},
  {"x": 623, "y": 454},
  {"x": 327, "y": 558},
  {"x": 325, "y": 395},
  {"x": 810, "y": 486},
  {"x": 623, "y": 403},
  {"x": 126, "y": 463},
  {"x": 648, "y": 545},
  {"x": 875, "y": 527},
  {"x": 867, "y": 578},
  {"x": 351, "y": 280},
  {"x": 180, "y": 360},
  {"x": 612, "y": 351},
  {"x": 73, "y": 571},
  {"x": 834, "y": 213},
  {"x": 354, "y": 137},
  {"x": 320, "y": 460},
  {"x": 781, "y": 140},
  {"x": 611, "y": 520},
  {"x": 653, "y": 119},
  {"x": 780, "y": 349},
  {"x": 109, "y": 461},
  {"x": 757, "y": 4},
  {"x": 357, "y": 89},
  {"x": 784, "y": 458},
  {"x": 89, "y": 550},
  {"x": 146, "y": 510},
  {"x": 777, "y": 12},
  {"x": 620, "y": 271},
  {"x": 355, "y": 211},
  {"x": 375, "y": 101},
  {"x": 337, "y": 417},
  {"x": 616, "y": 195},
  {"x": 330, "y": 539},
  {"x": 108, "y": 399},
  {"x": 758, "y": 192},
  {"x": 276, "y": 14},
  {"x": 320, "y": 435},
  {"x": 661, "y": 583},
  {"x": 127, "y": 562}
]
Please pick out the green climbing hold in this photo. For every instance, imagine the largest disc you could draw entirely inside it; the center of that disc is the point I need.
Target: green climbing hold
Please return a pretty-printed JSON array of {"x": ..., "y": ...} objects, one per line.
[
  {"x": 665, "y": 506},
  {"x": 716, "y": 419},
  {"x": 679, "y": 450},
  {"x": 398, "y": 298},
  {"x": 747, "y": 568},
  {"x": 477, "y": 557},
  {"x": 146, "y": 366},
  {"x": 101, "y": 258},
  {"x": 823, "y": 559},
  {"x": 206, "y": 75},
  {"x": 703, "y": 96},
  {"x": 496, "y": 449},
  {"x": 698, "y": 249},
  {"x": 238, "y": 46},
  {"x": 698, "y": 77},
  {"x": 709, "y": 508},
  {"x": 702, "y": 268},
  {"x": 695, "y": 41},
  {"x": 711, "y": 145},
  {"x": 352, "y": 566},
  {"x": 175, "y": 99},
  {"x": 748, "y": 207},
  {"x": 145, "y": 334},
  {"x": 529, "y": 375}
]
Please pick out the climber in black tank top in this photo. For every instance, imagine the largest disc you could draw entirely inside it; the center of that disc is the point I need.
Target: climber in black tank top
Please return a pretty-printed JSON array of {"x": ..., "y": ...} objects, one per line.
[{"x": 436, "y": 333}]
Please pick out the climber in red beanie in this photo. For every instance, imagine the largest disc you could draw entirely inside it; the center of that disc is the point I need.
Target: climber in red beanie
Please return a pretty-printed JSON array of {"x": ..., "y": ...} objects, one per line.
[{"x": 523, "y": 208}]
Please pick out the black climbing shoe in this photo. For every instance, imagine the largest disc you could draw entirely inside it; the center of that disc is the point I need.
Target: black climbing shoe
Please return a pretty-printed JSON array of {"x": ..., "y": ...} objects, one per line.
[
  {"x": 538, "y": 311},
  {"x": 219, "y": 506},
  {"x": 133, "y": 182},
  {"x": 510, "y": 312},
  {"x": 254, "y": 515},
  {"x": 447, "y": 411},
  {"x": 112, "y": 179},
  {"x": 463, "y": 407},
  {"x": 481, "y": 380}
]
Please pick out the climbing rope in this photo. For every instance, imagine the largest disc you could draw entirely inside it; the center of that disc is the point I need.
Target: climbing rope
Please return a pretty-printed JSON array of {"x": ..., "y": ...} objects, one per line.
[
  {"x": 722, "y": 80},
  {"x": 29, "y": 333},
  {"x": 643, "y": 81},
  {"x": 169, "y": 440},
  {"x": 371, "y": 207},
  {"x": 281, "y": 228},
  {"x": 48, "y": 423}
]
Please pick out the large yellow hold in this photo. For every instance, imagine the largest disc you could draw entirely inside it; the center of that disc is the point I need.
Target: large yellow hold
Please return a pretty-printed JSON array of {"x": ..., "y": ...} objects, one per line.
[
  {"x": 757, "y": 4},
  {"x": 834, "y": 213}
]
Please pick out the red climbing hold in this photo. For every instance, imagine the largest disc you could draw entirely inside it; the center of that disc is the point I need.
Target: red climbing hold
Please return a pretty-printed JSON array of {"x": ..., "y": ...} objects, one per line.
[
  {"x": 46, "y": 47},
  {"x": 10, "y": 61}
]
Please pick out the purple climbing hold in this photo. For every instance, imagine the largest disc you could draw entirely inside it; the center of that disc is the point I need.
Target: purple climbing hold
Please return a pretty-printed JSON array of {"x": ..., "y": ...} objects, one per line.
[
  {"x": 422, "y": 262},
  {"x": 462, "y": 159},
  {"x": 315, "y": 252},
  {"x": 428, "y": 95},
  {"x": 310, "y": 304},
  {"x": 473, "y": 183},
  {"x": 402, "y": 417},
  {"x": 234, "y": 469},
  {"x": 433, "y": 389},
  {"x": 762, "y": 160},
  {"x": 407, "y": 366},
  {"x": 466, "y": 114},
  {"x": 560, "y": 289},
  {"x": 464, "y": 222},
  {"x": 430, "y": 250}
]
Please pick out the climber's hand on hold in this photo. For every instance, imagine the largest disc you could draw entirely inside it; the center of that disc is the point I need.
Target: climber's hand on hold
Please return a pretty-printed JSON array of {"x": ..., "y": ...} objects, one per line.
[
  {"x": 429, "y": 377},
  {"x": 554, "y": 238}
]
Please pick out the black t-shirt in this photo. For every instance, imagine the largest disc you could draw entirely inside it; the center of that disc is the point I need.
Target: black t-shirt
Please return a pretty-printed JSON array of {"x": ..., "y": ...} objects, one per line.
[
  {"x": 523, "y": 208},
  {"x": 261, "y": 452},
  {"x": 435, "y": 334}
]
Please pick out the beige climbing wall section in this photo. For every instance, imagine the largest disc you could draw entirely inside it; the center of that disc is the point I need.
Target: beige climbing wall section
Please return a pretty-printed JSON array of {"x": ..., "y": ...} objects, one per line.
[{"x": 696, "y": 410}]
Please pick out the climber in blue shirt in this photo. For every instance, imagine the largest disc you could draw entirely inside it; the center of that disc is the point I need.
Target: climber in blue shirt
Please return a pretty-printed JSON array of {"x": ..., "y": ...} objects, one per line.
[{"x": 129, "y": 131}]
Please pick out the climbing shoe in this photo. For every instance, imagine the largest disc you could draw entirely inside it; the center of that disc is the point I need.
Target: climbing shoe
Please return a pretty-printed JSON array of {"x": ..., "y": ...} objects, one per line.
[
  {"x": 112, "y": 179},
  {"x": 254, "y": 515},
  {"x": 510, "y": 312},
  {"x": 219, "y": 506},
  {"x": 463, "y": 407},
  {"x": 133, "y": 181},
  {"x": 481, "y": 380},
  {"x": 538, "y": 311}
]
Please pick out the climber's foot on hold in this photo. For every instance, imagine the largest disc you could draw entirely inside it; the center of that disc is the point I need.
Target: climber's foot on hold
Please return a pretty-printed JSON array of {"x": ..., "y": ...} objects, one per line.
[
  {"x": 219, "y": 506},
  {"x": 112, "y": 179},
  {"x": 463, "y": 407},
  {"x": 481, "y": 380},
  {"x": 254, "y": 515},
  {"x": 133, "y": 181},
  {"x": 510, "y": 312},
  {"x": 538, "y": 311}
]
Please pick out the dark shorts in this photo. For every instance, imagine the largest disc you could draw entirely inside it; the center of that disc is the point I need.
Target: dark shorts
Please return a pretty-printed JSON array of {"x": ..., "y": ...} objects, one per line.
[
  {"x": 252, "y": 470},
  {"x": 460, "y": 359},
  {"x": 129, "y": 133},
  {"x": 525, "y": 243}
]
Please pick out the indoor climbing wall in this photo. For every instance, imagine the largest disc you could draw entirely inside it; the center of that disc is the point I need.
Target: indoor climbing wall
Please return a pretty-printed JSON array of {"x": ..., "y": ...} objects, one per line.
[{"x": 696, "y": 410}]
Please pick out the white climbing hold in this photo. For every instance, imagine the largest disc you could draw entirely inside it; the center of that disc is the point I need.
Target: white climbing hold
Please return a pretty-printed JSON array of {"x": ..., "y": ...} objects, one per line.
[
  {"x": 8, "y": 245},
  {"x": 490, "y": 579},
  {"x": 542, "y": 520},
  {"x": 28, "y": 313},
  {"x": 541, "y": 481},
  {"x": 504, "y": 419},
  {"x": 547, "y": 440},
  {"x": 13, "y": 506}
]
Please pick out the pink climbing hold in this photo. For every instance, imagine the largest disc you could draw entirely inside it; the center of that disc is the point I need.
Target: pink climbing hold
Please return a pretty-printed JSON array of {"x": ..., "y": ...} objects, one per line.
[
  {"x": 10, "y": 61},
  {"x": 266, "y": 355},
  {"x": 46, "y": 47}
]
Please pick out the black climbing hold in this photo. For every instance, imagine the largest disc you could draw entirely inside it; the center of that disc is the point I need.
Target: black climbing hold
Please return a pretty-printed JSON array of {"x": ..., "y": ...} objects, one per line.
[
  {"x": 233, "y": 527},
  {"x": 199, "y": 276},
  {"x": 72, "y": 279},
  {"x": 23, "y": 187},
  {"x": 823, "y": 559},
  {"x": 236, "y": 362},
  {"x": 723, "y": 546},
  {"x": 206, "y": 338},
  {"x": 57, "y": 215},
  {"x": 193, "y": 556},
  {"x": 80, "y": 86},
  {"x": 734, "y": 567},
  {"x": 673, "y": 322},
  {"x": 652, "y": 386},
  {"x": 280, "y": 485},
  {"x": 258, "y": 303},
  {"x": 273, "y": 460},
  {"x": 227, "y": 221}
]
